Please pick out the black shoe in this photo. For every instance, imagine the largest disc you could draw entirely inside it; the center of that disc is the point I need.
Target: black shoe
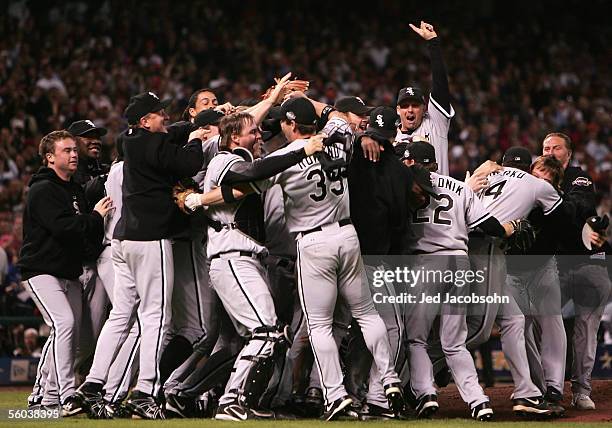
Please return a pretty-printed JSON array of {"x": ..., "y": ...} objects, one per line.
[
  {"x": 314, "y": 402},
  {"x": 483, "y": 412},
  {"x": 427, "y": 406},
  {"x": 372, "y": 412},
  {"x": 34, "y": 402},
  {"x": 535, "y": 406},
  {"x": 409, "y": 397},
  {"x": 181, "y": 407},
  {"x": 143, "y": 406},
  {"x": 395, "y": 397},
  {"x": 117, "y": 410},
  {"x": 553, "y": 396},
  {"x": 91, "y": 397},
  {"x": 72, "y": 406},
  {"x": 338, "y": 409},
  {"x": 236, "y": 412}
]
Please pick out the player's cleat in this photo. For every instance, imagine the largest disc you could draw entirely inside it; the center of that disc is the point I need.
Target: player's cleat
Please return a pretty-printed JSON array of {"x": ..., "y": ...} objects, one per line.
[
  {"x": 91, "y": 397},
  {"x": 582, "y": 402},
  {"x": 534, "y": 406},
  {"x": 118, "y": 410},
  {"x": 143, "y": 406},
  {"x": 181, "y": 407},
  {"x": 72, "y": 406},
  {"x": 395, "y": 397},
  {"x": 337, "y": 409},
  {"x": 483, "y": 412},
  {"x": 372, "y": 412},
  {"x": 99, "y": 410},
  {"x": 235, "y": 412},
  {"x": 553, "y": 396},
  {"x": 34, "y": 402},
  {"x": 427, "y": 406}
]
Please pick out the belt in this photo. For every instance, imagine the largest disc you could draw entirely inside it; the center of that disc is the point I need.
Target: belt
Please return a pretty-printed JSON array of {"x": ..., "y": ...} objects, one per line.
[
  {"x": 343, "y": 222},
  {"x": 238, "y": 253}
]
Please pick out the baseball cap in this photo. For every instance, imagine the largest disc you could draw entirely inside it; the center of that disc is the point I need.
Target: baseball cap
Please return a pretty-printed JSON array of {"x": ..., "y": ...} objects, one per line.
[
  {"x": 382, "y": 123},
  {"x": 519, "y": 155},
  {"x": 418, "y": 151},
  {"x": 353, "y": 105},
  {"x": 300, "y": 110},
  {"x": 410, "y": 93},
  {"x": 143, "y": 104},
  {"x": 422, "y": 177},
  {"x": 82, "y": 128},
  {"x": 207, "y": 117}
]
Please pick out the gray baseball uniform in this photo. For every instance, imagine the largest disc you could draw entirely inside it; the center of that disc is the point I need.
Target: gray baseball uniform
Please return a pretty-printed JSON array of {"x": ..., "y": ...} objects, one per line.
[
  {"x": 329, "y": 262},
  {"x": 441, "y": 231},
  {"x": 434, "y": 128}
]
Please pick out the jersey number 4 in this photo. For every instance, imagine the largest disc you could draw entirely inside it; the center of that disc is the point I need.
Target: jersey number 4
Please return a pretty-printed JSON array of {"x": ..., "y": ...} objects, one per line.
[
  {"x": 445, "y": 203},
  {"x": 336, "y": 185},
  {"x": 495, "y": 190}
]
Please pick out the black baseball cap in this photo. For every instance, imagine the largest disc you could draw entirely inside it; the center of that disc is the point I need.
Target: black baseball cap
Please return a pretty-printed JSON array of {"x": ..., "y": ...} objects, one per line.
[
  {"x": 410, "y": 93},
  {"x": 518, "y": 155},
  {"x": 418, "y": 151},
  {"x": 422, "y": 177},
  {"x": 207, "y": 117},
  {"x": 86, "y": 128},
  {"x": 382, "y": 123},
  {"x": 300, "y": 110},
  {"x": 353, "y": 105},
  {"x": 143, "y": 104}
]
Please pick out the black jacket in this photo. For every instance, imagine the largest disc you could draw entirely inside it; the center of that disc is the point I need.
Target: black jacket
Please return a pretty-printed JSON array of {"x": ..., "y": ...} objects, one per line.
[
  {"x": 58, "y": 233},
  {"x": 153, "y": 164},
  {"x": 379, "y": 193}
]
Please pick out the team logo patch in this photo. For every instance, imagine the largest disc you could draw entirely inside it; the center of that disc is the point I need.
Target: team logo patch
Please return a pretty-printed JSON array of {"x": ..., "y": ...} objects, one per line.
[
  {"x": 360, "y": 100},
  {"x": 410, "y": 91},
  {"x": 290, "y": 115},
  {"x": 90, "y": 123},
  {"x": 153, "y": 95},
  {"x": 379, "y": 120},
  {"x": 582, "y": 181}
]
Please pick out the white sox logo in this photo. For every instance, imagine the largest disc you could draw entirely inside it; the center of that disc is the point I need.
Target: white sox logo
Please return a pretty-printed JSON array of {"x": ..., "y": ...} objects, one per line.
[
  {"x": 75, "y": 205},
  {"x": 379, "y": 120},
  {"x": 360, "y": 100},
  {"x": 153, "y": 95},
  {"x": 90, "y": 123},
  {"x": 582, "y": 181},
  {"x": 409, "y": 91}
]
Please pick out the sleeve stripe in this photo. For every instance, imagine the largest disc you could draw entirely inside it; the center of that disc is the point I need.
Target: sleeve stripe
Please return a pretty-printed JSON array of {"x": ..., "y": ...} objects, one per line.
[
  {"x": 255, "y": 187},
  {"x": 555, "y": 205},
  {"x": 439, "y": 107},
  {"x": 480, "y": 220},
  {"x": 225, "y": 169}
]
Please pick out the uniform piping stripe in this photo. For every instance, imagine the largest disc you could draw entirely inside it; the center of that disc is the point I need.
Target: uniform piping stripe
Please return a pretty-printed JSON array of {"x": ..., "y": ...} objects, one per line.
[
  {"x": 553, "y": 207},
  {"x": 162, "y": 319},
  {"x": 196, "y": 284},
  {"x": 399, "y": 327},
  {"x": 54, "y": 346},
  {"x": 448, "y": 115},
  {"x": 225, "y": 169},
  {"x": 41, "y": 363},
  {"x": 244, "y": 292},
  {"x": 303, "y": 300},
  {"x": 480, "y": 220},
  {"x": 124, "y": 378}
]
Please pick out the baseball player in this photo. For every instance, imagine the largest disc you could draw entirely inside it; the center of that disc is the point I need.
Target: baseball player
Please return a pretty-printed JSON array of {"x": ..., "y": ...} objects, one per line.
[
  {"x": 329, "y": 262},
  {"x": 513, "y": 193},
  {"x": 440, "y": 239},
  {"x": 56, "y": 229},
  {"x": 584, "y": 275},
  {"x": 433, "y": 123}
]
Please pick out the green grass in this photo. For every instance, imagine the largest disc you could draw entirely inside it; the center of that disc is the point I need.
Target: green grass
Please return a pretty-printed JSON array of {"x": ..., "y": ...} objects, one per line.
[{"x": 17, "y": 400}]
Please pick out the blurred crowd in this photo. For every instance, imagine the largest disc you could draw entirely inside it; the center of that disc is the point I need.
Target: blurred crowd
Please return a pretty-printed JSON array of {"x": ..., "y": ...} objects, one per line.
[{"x": 512, "y": 81}]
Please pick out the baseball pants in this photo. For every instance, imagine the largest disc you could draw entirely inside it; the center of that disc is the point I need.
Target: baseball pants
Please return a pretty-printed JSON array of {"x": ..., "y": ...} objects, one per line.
[
  {"x": 143, "y": 291},
  {"x": 589, "y": 287},
  {"x": 125, "y": 365},
  {"x": 329, "y": 265},
  {"x": 241, "y": 284},
  {"x": 60, "y": 303}
]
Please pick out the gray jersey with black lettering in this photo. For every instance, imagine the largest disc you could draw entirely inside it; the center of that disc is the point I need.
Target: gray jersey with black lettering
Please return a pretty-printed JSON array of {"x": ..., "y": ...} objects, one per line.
[
  {"x": 442, "y": 226},
  {"x": 513, "y": 193},
  {"x": 312, "y": 196},
  {"x": 434, "y": 128}
]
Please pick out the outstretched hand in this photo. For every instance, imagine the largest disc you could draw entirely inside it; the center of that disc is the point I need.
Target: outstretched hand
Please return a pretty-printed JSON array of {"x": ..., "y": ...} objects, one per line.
[{"x": 426, "y": 30}]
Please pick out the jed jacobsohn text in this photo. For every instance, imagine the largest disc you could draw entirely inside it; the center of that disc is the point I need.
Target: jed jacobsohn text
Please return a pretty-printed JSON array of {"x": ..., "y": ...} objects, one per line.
[
  {"x": 439, "y": 298},
  {"x": 411, "y": 277}
]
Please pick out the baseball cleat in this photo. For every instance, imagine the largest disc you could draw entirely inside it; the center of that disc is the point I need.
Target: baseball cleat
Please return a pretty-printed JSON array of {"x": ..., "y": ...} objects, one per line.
[
  {"x": 92, "y": 399},
  {"x": 337, "y": 409},
  {"x": 483, "y": 412},
  {"x": 34, "y": 402},
  {"x": 118, "y": 410},
  {"x": 534, "y": 406},
  {"x": 582, "y": 402},
  {"x": 182, "y": 407},
  {"x": 372, "y": 412},
  {"x": 143, "y": 406},
  {"x": 395, "y": 397},
  {"x": 235, "y": 412},
  {"x": 72, "y": 406},
  {"x": 427, "y": 406}
]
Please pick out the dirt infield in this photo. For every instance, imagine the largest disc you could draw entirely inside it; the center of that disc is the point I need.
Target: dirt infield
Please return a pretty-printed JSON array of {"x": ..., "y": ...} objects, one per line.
[{"x": 451, "y": 405}]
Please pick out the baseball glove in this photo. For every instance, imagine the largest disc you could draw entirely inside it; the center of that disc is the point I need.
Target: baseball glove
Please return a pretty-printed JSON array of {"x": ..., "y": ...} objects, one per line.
[
  {"x": 523, "y": 237},
  {"x": 180, "y": 191}
]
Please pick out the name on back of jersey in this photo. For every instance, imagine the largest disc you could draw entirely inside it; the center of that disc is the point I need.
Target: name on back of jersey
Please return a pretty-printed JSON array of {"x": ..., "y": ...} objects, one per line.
[{"x": 450, "y": 184}]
